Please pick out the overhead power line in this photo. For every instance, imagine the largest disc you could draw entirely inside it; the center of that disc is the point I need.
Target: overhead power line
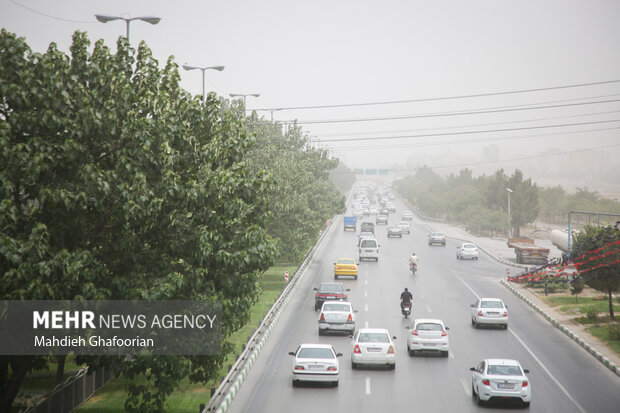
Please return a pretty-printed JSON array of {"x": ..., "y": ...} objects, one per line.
[
  {"x": 522, "y": 158},
  {"x": 456, "y": 113},
  {"x": 392, "y": 102},
  {"x": 50, "y": 16},
  {"x": 430, "y": 135}
]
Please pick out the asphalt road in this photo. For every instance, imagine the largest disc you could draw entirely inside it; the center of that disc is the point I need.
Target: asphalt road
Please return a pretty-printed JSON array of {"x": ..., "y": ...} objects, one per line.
[{"x": 563, "y": 376}]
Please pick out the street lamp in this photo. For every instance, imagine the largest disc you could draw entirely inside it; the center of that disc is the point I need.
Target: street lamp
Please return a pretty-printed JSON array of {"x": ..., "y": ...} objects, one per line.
[
  {"x": 509, "y": 219},
  {"x": 218, "y": 68},
  {"x": 149, "y": 19},
  {"x": 243, "y": 95}
]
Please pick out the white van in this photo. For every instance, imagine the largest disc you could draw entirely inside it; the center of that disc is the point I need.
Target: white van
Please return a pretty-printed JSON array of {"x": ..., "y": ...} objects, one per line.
[{"x": 369, "y": 249}]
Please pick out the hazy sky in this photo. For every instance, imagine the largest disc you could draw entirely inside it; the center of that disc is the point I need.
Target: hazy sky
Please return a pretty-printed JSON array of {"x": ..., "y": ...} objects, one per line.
[{"x": 334, "y": 52}]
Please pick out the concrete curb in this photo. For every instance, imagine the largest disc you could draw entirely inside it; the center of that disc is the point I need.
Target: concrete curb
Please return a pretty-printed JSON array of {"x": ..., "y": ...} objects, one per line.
[{"x": 611, "y": 366}]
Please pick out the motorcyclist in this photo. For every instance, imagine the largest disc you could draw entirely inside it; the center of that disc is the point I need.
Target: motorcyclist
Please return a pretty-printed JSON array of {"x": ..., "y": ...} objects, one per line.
[
  {"x": 413, "y": 260},
  {"x": 405, "y": 297}
]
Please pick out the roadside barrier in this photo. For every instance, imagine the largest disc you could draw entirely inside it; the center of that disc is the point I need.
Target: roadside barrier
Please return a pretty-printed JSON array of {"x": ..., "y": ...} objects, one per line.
[
  {"x": 230, "y": 385},
  {"x": 611, "y": 366}
]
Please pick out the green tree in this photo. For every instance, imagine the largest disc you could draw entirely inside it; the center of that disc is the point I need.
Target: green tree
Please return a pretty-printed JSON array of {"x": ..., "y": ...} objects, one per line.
[
  {"x": 595, "y": 251},
  {"x": 117, "y": 184},
  {"x": 303, "y": 197}
]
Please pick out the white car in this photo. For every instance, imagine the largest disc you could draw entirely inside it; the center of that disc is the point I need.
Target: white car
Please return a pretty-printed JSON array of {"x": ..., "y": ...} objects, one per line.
[
  {"x": 373, "y": 346},
  {"x": 373, "y": 210},
  {"x": 489, "y": 311},
  {"x": 368, "y": 249},
  {"x": 404, "y": 227},
  {"x": 337, "y": 316},
  {"x": 467, "y": 250},
  {"x": 316, "y": 362},
  {"x": 426, "y": 334},
  {"x": 407, "y": 216},
  {"x": 500, "y": 379}
]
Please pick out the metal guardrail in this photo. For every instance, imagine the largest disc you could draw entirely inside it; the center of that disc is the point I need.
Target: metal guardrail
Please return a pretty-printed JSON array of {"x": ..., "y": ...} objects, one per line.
[{"x": 230, "y": 385}]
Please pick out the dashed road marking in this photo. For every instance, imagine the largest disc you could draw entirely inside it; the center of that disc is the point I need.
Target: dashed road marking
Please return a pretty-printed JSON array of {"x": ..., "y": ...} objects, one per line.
[
  {"x": 368, "y": 386},
  {"x": 366, "y": 324},
  {"x": 465, "y": 386},
  {"x": 429, "y": 309},
  {"x": 365, "y": 307},
  {"x": 540, "y": 363}
]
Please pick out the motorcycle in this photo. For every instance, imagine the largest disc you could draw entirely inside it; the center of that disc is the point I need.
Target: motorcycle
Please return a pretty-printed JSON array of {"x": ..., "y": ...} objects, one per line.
[
  {"x": 413, "y": 268},
  {"x": 405, "y": 308}
]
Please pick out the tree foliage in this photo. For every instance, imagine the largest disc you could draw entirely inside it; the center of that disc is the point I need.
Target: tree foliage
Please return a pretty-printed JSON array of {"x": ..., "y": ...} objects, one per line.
[
  {"x": 303, "y": 197},
  {"x": 117, "y": 184},
  {"x": 596, "y": 252}
]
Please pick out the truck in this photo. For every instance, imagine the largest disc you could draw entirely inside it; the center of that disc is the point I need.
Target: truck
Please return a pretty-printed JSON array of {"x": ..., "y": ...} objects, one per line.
[
  {"x": 350, "y": 223},
  {"x": 527, "y": 252}
]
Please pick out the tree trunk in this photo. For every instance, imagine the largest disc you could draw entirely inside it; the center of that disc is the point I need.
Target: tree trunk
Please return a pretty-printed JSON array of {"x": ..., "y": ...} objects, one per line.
[
  {"x": 60, "y": 368},
  {"x": 20, "y": 366},
  {"x": 611, "y": 306}
]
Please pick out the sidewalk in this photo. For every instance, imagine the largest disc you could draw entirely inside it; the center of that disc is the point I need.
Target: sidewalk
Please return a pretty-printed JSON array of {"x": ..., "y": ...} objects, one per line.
[{"x": 498, "y": 250}]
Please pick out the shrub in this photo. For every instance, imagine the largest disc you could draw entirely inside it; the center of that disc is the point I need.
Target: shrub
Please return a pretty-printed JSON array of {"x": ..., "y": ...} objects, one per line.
[
  {"x": 591, "y": 312},
  {"x": 614, "y": 331}
]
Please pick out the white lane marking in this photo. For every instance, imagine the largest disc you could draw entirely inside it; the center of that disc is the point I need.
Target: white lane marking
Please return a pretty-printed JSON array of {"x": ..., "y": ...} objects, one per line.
[
  {"x": 546, "y": 370},
  {"x": 451, "y": 354},
  {"x": 365, "y": 307},
  {"x": 465, "y": 386},
  {"x": 429, "y": 309},
  {"x": 421, "y": 295},
  {"x": 365, "y": 293},
  {"x": 540, "y": 363},
  {"x": 366, "y": 324},
  {"x": 368, "y": 386},
  {"x": 365, "y": 282}
]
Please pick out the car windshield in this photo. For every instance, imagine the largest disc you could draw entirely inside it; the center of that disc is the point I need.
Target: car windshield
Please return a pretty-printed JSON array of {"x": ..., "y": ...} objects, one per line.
[
  {"x": 429, "y": 327},
  {"x": 374, "y": 338},
  {"x": 336, "y": 307},
  {"x": 346, "y": 262},
  {"x": 315, "y": 353},
  {"x": 331, "y": 288},
  {"x": 491, "y": 304},
  {"x": 369, "y": 243},
  {"x": 499, "y": 370}
]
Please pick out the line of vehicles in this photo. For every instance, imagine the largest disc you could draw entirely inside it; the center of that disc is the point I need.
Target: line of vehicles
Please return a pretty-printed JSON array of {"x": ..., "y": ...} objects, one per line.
[{"x": 491, "y": 379}]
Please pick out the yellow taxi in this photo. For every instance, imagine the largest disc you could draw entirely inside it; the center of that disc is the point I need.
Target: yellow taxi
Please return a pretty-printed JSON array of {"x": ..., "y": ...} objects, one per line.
[{"x": 346, "y": 267}]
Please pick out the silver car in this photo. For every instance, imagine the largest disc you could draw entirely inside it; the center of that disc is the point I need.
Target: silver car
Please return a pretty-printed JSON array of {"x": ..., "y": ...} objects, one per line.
[
  {"x": 437, "y": 238},
  {"x": 404, "y": 227},
  {"x": 489, "y": 311},
  {"x": 373, "y": 346},
  {"x": 316, "y": 362},
  {"x": 337, "y": 316},
  {"x": 500, "y": 379},
  {"x": 428, "y": 335},
  {"x": 466, "y": 250},
  {"x": 394, "y": 231}
]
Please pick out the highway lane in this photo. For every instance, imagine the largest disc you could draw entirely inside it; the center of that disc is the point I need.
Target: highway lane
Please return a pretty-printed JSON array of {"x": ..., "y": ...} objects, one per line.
[{"x": 564, "y": 377}]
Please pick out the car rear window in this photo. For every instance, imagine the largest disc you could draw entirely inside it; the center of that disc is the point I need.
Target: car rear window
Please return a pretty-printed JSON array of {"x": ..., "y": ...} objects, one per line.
[
  {"x": 369, "y": 243},
  {"x": 374, "y": 338},
  {"x": 331, "y": 288},
  {"x": 346, "y": 262},
  {"x": 469, "y": 246},
  {"x": 336, "y": 307},
  {"x": 491, "y": 304},
  {"x": 429, "y": 327},
  {"x": 315, "y": 353},
  {"x": 500, "y": 370}
]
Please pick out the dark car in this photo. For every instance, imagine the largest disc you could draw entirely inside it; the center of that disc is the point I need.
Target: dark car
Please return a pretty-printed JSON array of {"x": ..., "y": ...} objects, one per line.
[
  {"x": 367, "y": 227},
  {"x": 329, "y": 291}
]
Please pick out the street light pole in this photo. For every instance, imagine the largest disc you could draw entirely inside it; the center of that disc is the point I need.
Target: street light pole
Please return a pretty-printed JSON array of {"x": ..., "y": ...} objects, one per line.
[
  {"x": 218, "y": 68},
  {"x": 149, "y": 19},
  {"x": 244, "y": 96},
  {"x": 509, "y": 218}
]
